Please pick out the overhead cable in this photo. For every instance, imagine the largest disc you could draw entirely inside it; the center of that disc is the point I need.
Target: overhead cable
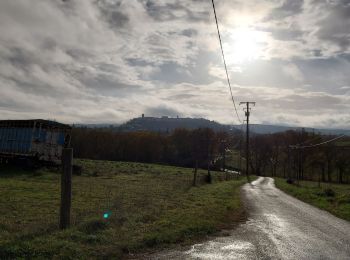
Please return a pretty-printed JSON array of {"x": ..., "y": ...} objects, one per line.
[
  {"x": 314, "y": 145},
  {"x": 223, "y": 57}
]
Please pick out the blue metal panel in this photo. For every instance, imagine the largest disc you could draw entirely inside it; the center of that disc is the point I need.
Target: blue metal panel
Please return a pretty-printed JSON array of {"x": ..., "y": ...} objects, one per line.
[
  {"x": 60, "y": 140},
  {"x": 4, "y": 143},
  {"x": 15, "y": 139},
  {"x": 2, "y": 138},
  {"x": 43, "y": 135},
  {"x": 21, "y": 140},
  {"x": 19, "y": 137},
  {"x": 28, "y": 139},
  {"x": 6, "y": 139}
]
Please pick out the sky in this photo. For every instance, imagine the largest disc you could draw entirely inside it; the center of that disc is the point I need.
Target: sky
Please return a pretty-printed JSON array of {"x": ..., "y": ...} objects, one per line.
[{"x": 107, "y": 61}]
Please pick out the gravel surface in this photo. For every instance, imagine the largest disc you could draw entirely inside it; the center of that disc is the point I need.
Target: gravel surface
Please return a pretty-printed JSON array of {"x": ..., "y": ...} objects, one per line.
[{"x": 279, "y": 227}]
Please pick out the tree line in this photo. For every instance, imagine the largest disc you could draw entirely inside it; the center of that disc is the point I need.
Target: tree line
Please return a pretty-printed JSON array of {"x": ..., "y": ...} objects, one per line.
[
  {"x": 270, "y": 154},
  {"x": 198, "y": 148},
  {"x": 291, "y": 155}
]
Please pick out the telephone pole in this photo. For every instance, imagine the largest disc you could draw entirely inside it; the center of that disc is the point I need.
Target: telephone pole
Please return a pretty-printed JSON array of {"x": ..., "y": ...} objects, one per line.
[{"x": 247, "y": 114}]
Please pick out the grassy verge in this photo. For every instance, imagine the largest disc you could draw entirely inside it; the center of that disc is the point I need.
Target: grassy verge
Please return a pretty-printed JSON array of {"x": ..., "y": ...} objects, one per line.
[
  {"x": 150, "y": 206},
  {"x": 338, "y": 203}
]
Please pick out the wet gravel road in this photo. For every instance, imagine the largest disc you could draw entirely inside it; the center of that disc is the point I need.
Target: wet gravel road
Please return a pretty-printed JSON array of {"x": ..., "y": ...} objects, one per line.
[{"x": 279, "y": 227}]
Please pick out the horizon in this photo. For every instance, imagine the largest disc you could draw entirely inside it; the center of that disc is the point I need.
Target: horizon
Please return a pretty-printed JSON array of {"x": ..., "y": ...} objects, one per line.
[
  {"x": 234, "y": 125},
  {"x": 105, "y": 61},
  {"x": 179, "y": 117}
]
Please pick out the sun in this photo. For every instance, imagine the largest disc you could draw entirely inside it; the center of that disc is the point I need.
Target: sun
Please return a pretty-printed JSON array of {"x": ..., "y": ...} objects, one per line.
[{"x": 245, "y": 45}]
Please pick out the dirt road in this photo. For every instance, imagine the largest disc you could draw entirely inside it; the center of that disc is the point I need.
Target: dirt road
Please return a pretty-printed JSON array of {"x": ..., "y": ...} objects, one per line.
[{"x": 279, "y": 227}]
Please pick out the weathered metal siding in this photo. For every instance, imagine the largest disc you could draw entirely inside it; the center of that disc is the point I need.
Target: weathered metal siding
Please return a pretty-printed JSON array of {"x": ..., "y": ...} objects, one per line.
[
  {"x": 15, "y": 140},
  {"x": 48, "y": 144},
  {"x": 34, "y": 138}
]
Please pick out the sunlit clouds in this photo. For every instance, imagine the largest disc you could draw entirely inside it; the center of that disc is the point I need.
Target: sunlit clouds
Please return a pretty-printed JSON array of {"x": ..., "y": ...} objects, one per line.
[
  {"x": 245, "y": 45},
  {"x": 106, "y": 61}
]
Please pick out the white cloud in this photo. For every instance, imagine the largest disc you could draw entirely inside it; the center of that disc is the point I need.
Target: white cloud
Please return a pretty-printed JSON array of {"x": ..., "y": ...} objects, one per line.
[
  {"x": 293, "y": 71},
  {"x": 108, "y": 60}
]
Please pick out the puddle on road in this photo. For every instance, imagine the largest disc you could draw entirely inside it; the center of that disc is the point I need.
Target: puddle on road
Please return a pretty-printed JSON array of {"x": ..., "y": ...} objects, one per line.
[
  {"x": 239, "y": 245},
  {"x": 222, "y": 250}
]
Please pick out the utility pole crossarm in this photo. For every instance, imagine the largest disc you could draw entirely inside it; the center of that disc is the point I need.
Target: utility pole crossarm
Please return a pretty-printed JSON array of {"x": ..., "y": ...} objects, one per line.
[{"x": 245, "y": 102}]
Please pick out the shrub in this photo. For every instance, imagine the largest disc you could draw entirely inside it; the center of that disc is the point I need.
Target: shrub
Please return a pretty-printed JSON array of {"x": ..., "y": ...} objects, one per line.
[
  {"x": 93, "y": 226},
  {"x": 329, "y": 192},
  {"x": 77, "y": 170},
  {"x": 290, "y": 181}
]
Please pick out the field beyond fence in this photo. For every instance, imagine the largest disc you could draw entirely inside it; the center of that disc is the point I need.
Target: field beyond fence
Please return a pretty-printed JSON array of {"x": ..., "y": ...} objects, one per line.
[{"x": 148, "y": 206}]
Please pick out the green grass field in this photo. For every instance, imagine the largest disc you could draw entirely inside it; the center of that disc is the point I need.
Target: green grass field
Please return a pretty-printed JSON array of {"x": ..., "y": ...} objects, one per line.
[
  {"x": 309, "y": 192},
  {"x": 151, "y": 206}
]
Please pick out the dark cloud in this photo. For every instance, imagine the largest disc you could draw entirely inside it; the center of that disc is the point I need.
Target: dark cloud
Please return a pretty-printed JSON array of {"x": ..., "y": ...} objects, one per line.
[
  {"x": 286, "y": 34},
  {"x": 19, "y": 58},
  {"x": 138, "y": 62},
  {"x": 117, "y": 19},
  {"x": 325, "y": 74},
  {"x": 172, "y": 73},
  {"x": 105, "y": 85},
  {"x": 182, "y": 97},
  {"x": 317, "y": 53},
  {"x": 335, "y": 27},
  {"x": 287, "y": 8},
  {"x": 113, "y": 13},
  {"x": 175, "y": 11},
  {"x": 189, "y": 32},
  {"x": 195, "y": 73},
  {"x": 162, "y": 12},
  {"x": 162, "y": 110}
]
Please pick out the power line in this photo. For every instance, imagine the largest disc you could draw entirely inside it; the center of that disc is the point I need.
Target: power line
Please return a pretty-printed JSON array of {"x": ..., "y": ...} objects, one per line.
[
  {"x": 308, "y": 141},
  {"x": 314, "y": 145},
  {"x": 223, "y": 57}
]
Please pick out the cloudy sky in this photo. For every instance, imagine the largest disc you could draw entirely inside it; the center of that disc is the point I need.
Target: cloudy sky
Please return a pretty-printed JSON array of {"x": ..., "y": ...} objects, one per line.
[{"x": 106, "y": 61}]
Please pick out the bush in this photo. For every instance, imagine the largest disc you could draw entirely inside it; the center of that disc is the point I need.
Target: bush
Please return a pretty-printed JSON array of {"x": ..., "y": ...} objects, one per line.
[
  {"x": 93, "y": 226},
  {"x": 329, "y": 192},
  {"x": 77, "y": 170},
  {"x": 290, "y": 181}
]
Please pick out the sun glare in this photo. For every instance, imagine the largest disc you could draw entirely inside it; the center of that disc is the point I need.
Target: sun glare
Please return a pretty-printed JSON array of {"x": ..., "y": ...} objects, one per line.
[{"x": 245, "y": 45}]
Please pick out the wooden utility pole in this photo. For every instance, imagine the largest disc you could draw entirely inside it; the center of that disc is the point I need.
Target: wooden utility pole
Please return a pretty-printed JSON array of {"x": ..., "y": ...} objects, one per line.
[
  {"x": 247, "y": 114},
  {"x": 223, "y": 153},
  {"x": 224, "y": 164},
  {"x": 289, "y": 163},
  {"x": 240, "y": 156},
  {"x": 66, "y": 187}
]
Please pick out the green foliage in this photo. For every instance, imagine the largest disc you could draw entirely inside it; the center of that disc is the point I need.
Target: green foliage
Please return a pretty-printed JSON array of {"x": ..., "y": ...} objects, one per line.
[
  {"x": 150, "y": 205},
  {"x": 334, "y": 198},
  {"x": 329, "y": 192}
]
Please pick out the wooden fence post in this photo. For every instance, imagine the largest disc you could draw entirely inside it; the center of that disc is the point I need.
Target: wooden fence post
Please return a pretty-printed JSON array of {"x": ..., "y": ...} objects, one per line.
[{"x": 66, "y": 187}]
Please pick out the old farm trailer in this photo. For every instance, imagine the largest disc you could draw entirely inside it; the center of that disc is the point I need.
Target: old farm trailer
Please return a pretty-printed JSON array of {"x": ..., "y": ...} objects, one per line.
[{"x": 33, "y": 141}]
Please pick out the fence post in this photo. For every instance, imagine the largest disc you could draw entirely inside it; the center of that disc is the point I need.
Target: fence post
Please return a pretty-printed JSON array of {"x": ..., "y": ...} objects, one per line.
[{"x": 66, "y": 187}]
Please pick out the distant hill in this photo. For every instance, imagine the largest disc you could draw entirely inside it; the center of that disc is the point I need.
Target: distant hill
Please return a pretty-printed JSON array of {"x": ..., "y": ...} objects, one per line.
[
  {"x": 97, "y": 125},
  {"x": 168, "y": 124},
  {"x": 271, "y": 129}
]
